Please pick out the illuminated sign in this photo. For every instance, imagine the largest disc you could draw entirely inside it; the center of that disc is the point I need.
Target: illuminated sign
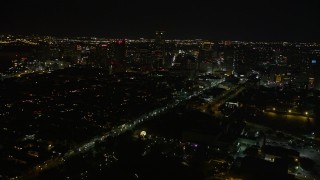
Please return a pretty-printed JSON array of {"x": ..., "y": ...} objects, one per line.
[{"x": 313, "y": 61}]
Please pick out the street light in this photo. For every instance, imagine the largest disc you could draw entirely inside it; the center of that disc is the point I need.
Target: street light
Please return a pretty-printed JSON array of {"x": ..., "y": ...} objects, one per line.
[
  {"x": 289, "y": 111},
  {"x": 143, "y": 134},
  {"x": 307, "y": 114},
  {"x": 274, "y": 109}
]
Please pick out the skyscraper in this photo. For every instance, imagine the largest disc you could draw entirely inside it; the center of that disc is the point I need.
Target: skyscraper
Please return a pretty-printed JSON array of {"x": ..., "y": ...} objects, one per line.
[
  {"x": 206, "y": 57},
  {"x": 159, "y": 49},
  {"x": 160, "y": 38},
  {"x": 120, "y": 49}
]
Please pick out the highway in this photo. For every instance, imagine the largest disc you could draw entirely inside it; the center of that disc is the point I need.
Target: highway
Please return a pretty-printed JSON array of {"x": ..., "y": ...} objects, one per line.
[{"x": 116, "y": 131}]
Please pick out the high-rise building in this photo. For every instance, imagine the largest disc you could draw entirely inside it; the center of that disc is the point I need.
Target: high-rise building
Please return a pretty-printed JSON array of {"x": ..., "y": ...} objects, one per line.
[
  {"x": 103, "y": 54},
  {"x": 206, "y": 57},
  {"x": 160, "y": 39},
  {"x": 120, "y": 49},
  {"x": 314, "y": 74},
  {"x": 206, "y": 52},
  {"x": 159, "y": 49}
]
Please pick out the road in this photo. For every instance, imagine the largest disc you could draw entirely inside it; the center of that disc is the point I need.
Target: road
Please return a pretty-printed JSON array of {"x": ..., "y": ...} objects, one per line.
[
  {"x": 222, "y": 98},
  {"x": 289, "y": 116},
  {"x": 116, "y": 131},
  {"x": 18, "y": 75}
]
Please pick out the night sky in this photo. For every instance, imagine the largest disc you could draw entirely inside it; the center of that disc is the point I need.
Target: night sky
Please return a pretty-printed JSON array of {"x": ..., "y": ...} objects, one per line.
[{"x": 288, "y": 20}]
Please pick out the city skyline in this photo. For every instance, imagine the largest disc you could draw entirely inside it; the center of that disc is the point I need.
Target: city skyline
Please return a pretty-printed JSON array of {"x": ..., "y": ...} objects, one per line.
[{"x": 249, "y": 20}]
